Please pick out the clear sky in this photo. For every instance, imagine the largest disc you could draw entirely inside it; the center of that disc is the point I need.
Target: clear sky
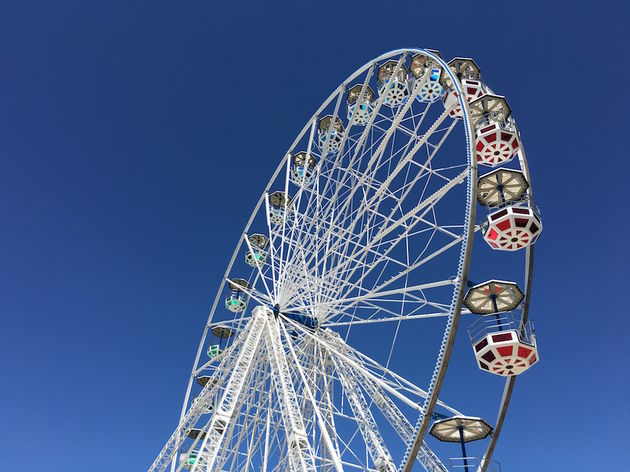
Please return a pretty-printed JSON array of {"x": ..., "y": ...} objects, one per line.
[{"x": 136, "y": 136}]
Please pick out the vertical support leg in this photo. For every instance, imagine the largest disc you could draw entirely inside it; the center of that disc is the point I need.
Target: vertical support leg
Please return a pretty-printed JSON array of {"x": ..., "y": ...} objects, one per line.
[
  {"x": 199, "y": 405},
  {"x": 228, "y": 404},
  {"x": 301, "y": 455}
]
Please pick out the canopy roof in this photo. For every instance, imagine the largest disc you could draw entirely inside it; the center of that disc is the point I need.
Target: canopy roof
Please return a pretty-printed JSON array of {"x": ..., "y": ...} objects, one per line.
[
  {"x": 354, "y": 93},
  {"x": 195, "y": 433},
  {"x": 221, "y": 331},
  {"x": 325, "y": 122},
  {"x": 460, "y": 429},
  {"x": 489, "y": 108},
  {"x": 302, "y": 157},
  {"x": 465, "y": 68},
  {"x": 386, "y": 71},
  {"x": 493, "y": 296},
  {"x": 238, "y": 284},
  {"x": 279, "y": 199},
  {"x": 501, "y": 186},
  {"x": 203, "y": 380},
  {"x": 421, "y": 62},
  {"x": 258, "y": 240}
]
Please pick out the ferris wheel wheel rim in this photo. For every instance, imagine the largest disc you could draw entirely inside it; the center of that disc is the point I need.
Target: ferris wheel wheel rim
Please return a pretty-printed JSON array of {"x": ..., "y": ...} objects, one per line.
[
  {"x": 471, "y": 196},
  {"x": 466, "y": 245}
]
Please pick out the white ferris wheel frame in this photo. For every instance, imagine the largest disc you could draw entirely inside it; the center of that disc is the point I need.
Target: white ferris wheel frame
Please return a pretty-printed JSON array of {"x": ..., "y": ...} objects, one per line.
[{"x": 455, "y": 310}]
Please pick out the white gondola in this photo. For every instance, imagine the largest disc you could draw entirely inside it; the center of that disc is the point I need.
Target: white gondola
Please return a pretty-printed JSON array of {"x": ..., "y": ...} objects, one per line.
[
  {"x": 279, "y": 202},
  {"x": 360, "y": 104},
  {"x": 236, "y": 301},
  {"x": 393, "y": 83},
  {"x": 330, "y": 134},
  {"x": 258, "y": 253}
]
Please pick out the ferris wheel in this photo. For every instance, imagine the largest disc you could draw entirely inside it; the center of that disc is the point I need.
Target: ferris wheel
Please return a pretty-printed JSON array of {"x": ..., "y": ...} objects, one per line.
[{"x": 328, "y": 342}]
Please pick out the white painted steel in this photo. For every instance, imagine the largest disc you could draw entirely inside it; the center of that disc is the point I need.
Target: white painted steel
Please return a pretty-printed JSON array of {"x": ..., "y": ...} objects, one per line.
[{"x": 379, "y": 239}]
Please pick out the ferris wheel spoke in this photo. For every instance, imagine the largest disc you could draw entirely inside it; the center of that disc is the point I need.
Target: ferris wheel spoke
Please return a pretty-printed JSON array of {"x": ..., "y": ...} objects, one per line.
[
  {"x": 386, "y": 121},
  {"x": 374, "y": 251},
  {"x": 379, "y": 398},
  {"x": 399, "y": 422},
  {"x": 390, "y": 319},
  {"x": 360, "y": 362},
  {"x": 284, "y": 218},
  {"x": 342, "y": 220},
  {"x": 338, "y": 155},
  {"x": 290, "y": 236},
  {"x": 314, "y": 251},
  {"x": 313, "y": 220},
  {"x": 377, "y": 295},
  {"x": 393, "y": 389},
  {"x": 444, "y": 229},
  {"x": 364, "y": 136},
  {"x": 330, "y": 253},
  {"x": 315, "y": 214},
  {"x": 416, "y": 263},
  {"x": 420, "y": 262},
  {"x": 326, "y": 236},
  {"x": 399, "y": 168},
  {"x": 406, "y": 158},
  {"x": 426, "y": 168},
  {"x": 337, "y": 319},
  {"x": 370, "y": 312},
  {"x": 349, "y": 287},
  {"x": 428, "y": 203},
  {"x": 375, "y": 158},
  {"x": 311, "y": 290},
  {"x": 327, "y": 385},
  {"x": 379, "y": 453},
  {"x": 374, "y": 310},
  {"x": 424, "y": 206}
]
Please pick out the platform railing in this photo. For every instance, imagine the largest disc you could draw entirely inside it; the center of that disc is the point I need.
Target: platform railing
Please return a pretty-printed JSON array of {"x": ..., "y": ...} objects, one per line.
[
  {"x": 471, "y": 464},
  {"x": 504, "y": 321}
]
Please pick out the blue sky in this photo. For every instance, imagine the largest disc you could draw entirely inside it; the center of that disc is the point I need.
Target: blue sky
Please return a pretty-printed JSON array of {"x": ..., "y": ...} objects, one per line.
[{"x": 124, "y": 130}]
